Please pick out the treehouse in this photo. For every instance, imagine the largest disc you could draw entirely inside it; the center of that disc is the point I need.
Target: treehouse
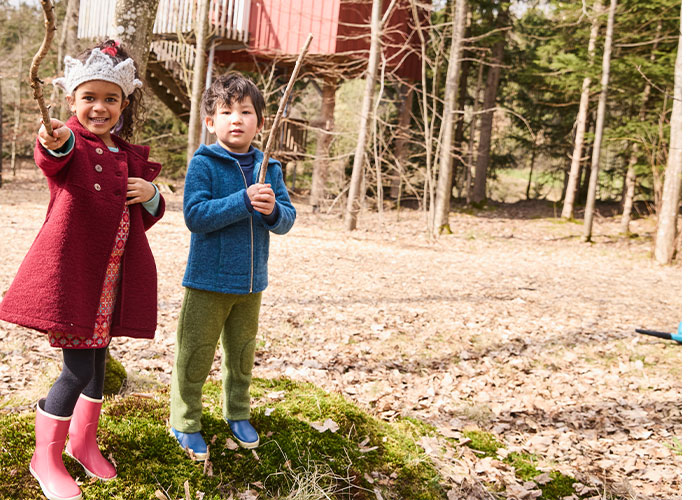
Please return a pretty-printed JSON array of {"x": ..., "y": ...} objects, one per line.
[{"x": 266, "y": 35}]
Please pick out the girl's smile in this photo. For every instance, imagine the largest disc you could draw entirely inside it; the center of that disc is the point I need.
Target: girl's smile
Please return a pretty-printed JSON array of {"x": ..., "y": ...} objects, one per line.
[{"x": 98, "y": 105}]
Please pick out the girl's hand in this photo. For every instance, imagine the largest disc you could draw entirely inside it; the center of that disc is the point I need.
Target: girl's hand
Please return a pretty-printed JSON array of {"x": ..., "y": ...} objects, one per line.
[
  {"x": 60, "y": 135},
  {"x": 262, "y": 197},
  {"x": 138, "y": 190}
]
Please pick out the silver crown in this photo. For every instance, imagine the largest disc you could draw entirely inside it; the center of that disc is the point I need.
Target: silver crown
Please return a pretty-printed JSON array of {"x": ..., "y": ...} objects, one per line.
[{"x": 98, "y": 66}]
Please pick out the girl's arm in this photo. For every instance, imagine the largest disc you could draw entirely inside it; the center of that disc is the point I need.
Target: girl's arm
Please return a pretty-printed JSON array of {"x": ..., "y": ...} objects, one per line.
[
  {"x": 49, "y": 162},
  {"x": 203, "y": 213}
]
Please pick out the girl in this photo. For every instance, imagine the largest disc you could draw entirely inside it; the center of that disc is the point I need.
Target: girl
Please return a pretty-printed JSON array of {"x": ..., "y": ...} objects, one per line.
[{"x": 90, "y": 274}]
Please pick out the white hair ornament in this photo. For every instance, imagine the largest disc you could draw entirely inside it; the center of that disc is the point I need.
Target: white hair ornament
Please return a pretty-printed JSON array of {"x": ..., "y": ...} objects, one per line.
[{"x": 98, "y": 66}]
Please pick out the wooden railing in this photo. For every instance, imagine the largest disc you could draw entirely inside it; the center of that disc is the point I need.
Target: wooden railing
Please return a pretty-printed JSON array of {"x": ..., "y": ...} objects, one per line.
[{"x": 228, "y": 18}]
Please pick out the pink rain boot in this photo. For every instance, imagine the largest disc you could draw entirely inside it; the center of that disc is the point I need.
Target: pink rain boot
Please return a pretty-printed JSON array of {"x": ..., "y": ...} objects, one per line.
[
  {"x": 47, "y": 462},
  {"x": 82, "y": 440}
]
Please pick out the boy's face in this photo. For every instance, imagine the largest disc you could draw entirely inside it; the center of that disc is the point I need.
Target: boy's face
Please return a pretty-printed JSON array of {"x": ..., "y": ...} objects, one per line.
[{"x": 235, "y": 125}]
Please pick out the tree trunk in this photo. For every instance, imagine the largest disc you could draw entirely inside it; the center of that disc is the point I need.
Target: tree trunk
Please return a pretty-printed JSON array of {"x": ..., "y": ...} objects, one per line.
[
  {"x": 133, "y": 26},
  {"x": 353, "y": 205},
  {"x": 461, "y": 103},
  {"x": 15, "y": 130},
  {"x": 441, "y": 214},
  {"x": 631, "y": 177},
  {"x": 599, "y": 126},
  {"x": 575, "y": 170},
  {"x": 194, "y": 131},
  {"x": 666, "y": 231},
  {"x": 533, "y": 156},
  {"x": 67, "y": 44},
  {"x": 323, "y": 144},
  {"x": 400, "y": 150},
  {"x": 482, "y": 156},
  {"x": 476, "y": 108}
]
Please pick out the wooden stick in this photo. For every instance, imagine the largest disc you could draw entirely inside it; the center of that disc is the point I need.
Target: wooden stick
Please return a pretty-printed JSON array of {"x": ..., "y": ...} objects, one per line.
[
  {"x": 34, "y": 81},
  {"x": 283, "y": 104}
]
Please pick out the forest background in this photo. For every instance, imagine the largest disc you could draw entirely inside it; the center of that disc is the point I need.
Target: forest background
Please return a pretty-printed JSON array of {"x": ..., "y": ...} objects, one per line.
[{"x": 514, "y": 131}]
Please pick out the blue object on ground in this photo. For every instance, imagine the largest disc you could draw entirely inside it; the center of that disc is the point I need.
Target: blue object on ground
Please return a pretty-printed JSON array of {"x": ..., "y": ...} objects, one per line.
[
  {"x": 678, "y": 336},
  {"x": 244, "y": 433}
]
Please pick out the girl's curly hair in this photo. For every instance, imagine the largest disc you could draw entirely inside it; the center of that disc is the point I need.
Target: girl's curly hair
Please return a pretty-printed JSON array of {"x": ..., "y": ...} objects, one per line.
[{"x": 132, "y": 114}]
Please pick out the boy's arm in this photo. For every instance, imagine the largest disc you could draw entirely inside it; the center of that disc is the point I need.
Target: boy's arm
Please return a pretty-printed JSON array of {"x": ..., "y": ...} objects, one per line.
[
  {"x": 286, "y": 213},
  {"x": 204, "y": 214}
]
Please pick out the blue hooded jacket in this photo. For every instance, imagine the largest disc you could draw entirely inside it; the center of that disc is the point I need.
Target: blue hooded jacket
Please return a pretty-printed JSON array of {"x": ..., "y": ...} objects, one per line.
[{"x": 229, "y": 245}]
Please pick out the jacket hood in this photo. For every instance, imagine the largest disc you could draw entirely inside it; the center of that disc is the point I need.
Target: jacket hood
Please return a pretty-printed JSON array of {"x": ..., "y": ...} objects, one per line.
[{"x": 216, "y": 151}]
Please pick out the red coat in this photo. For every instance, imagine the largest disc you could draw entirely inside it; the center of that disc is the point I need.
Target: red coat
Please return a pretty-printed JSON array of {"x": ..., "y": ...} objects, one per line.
[{"x": 58, "y": 285}]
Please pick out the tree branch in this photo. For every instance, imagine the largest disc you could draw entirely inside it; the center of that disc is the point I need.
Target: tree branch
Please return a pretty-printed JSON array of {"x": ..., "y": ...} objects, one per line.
[{"x": 34, "y": 81}]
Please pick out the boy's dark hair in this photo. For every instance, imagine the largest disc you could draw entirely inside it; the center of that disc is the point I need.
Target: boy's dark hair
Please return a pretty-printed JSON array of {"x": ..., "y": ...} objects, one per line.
[
  {"x": 132, "y": 113},
  {"x": 232, "y": 87}
]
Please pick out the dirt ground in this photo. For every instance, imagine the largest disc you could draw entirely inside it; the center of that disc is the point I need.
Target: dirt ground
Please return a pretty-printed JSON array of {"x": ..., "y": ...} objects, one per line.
[{"x": 512, "y": 324}]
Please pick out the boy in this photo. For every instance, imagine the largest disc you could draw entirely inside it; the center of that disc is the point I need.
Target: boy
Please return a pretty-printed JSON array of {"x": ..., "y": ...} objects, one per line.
[{"x": 230, "y": 216}]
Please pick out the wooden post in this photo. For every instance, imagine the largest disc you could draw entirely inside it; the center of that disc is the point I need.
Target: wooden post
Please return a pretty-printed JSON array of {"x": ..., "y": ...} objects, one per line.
[{"x": 195, "y": 123}]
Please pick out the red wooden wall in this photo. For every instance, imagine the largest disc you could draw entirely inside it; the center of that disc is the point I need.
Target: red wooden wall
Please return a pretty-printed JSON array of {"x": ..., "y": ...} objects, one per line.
[{"x": 340, "y": 27}]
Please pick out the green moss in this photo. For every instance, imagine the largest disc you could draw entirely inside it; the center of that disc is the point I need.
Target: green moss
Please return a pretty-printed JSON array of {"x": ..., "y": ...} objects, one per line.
[
  {"x": 484, "y": 442},
  {"x": 525, "y": 465},
  {"x": 115, "y": 376},
  {"x": 134, "y": 431}
]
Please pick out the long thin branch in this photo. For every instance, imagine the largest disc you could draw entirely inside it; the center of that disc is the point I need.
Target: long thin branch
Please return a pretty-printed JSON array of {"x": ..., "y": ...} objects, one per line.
[
  {"x": 35, "y": 82},
  {"x": 283, "y": 104}
]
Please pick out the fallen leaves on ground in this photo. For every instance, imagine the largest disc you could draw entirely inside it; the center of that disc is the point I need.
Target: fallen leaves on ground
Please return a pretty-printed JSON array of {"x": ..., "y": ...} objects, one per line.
[{"x": 511, "y": 324}]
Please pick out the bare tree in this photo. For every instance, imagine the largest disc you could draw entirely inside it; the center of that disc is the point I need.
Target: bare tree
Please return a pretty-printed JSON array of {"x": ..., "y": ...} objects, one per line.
[
  {"x": 444, "y": 186},
  {"x": 353, "y": 205},
  {"x": 402, "y": 138},
  {"x": 631, "y": 176},
  {"x": 133, "y": 25},
  {"x": 666, "y": 231},
  {"x": 67, "y": 44},
  {"x": 195, "y": 124},
  {"x": 17, "y": 110},
  {"x": 490, "y": 93},
  {"x": 575, "y": 170},
  {"x": 323, "y": 143},
  {"x": 599, "y": 125}
]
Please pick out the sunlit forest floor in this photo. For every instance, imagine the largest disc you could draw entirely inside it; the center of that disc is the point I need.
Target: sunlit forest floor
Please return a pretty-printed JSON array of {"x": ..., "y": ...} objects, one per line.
[{"x": 511, "y": 324}]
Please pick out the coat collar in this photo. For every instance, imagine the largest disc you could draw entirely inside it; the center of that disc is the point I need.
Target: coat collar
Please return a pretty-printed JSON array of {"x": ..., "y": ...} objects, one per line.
[{"x": 74, "y": 124}]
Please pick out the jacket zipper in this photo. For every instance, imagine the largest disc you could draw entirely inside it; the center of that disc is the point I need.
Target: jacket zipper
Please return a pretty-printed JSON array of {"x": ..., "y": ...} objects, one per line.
[{"x": 250, "y": 221}]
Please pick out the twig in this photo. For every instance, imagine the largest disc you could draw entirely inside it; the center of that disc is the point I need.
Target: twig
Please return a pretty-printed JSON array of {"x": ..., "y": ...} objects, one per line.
[
  {"x": 50, "y": 29},
  {"x": 283, "y": 104}
]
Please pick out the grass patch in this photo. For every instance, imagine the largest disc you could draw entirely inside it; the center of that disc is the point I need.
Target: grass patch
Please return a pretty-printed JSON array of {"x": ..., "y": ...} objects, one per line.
[{"x": 294, "y": 460}]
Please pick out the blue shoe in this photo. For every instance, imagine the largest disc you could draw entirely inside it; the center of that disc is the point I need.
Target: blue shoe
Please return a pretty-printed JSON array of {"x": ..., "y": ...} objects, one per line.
[
  {"x": 244, "y": 433},
  {"x": 193, "y": 443}
]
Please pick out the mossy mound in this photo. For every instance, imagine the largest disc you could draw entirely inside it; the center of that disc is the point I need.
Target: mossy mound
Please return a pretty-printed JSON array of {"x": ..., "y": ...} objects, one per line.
[
  {"x": 115, "y": 376},
  {"x": 360, "y": 455}
]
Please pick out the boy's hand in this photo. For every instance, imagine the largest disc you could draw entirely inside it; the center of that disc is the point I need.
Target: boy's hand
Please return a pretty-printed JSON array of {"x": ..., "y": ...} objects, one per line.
[
  {"x": 61, "y": 134},
  {"x": 138, "y": 190},
  {"x": 262, "y": 197}
]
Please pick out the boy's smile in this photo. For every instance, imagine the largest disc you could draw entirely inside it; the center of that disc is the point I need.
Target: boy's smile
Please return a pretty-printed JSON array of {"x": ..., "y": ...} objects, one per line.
[
  {"x": 235, "y": 125},
  {"x": 98, "y": 105}
]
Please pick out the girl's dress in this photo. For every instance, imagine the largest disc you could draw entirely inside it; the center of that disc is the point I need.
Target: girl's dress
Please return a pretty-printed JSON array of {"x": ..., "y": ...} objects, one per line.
[{"x": 100, "y": 337}]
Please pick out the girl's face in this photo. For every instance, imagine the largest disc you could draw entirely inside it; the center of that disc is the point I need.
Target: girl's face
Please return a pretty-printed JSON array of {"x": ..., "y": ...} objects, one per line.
[{"x": 98, "y": 105}]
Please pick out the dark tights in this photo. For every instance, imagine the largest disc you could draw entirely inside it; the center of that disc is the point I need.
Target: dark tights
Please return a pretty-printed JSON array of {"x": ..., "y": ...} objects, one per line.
[{"x": 83, "y": 371}]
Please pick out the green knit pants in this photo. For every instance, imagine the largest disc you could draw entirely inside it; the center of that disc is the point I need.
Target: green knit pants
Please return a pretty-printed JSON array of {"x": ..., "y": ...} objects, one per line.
[{"x": 205, "y": 317}]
